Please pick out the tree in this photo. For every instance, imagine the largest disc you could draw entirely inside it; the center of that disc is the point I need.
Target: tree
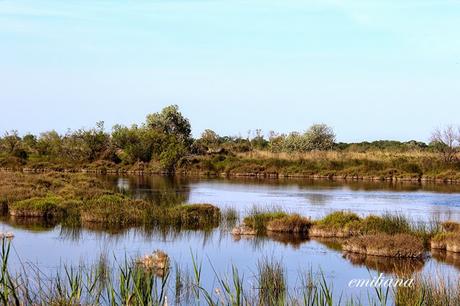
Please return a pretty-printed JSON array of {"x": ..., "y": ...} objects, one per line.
[
  {"x": 209, "y": 139},
  {"x": 11, "y": 142},
  {"x": 320, "y": 137},
  {"x": 96, "y": 140},
  {"x": 136, "y": 143},
  {"x": 170, "y": 121},
  {"x": 446, "y": 141},
  {"x": 73, "y": 147},
  {"x": 30, "y": 142},
  {"x": 49, "y": 144},
  {"x": 258, "y": 141},
  {"x": 171, "y": 154}
]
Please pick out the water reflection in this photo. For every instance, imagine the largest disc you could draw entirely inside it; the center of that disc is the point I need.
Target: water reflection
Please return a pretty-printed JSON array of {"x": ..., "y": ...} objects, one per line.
[
  {"x": 29, "y": 224},
  {"x": 260, "y": 242},
  {"x": 159, "y": 189},
  {"x": 450, "y": 258},
  {"x": 402, "y": 267},
  {"x": 318, "y": 198},
  {"x": 314, "y": 198}
]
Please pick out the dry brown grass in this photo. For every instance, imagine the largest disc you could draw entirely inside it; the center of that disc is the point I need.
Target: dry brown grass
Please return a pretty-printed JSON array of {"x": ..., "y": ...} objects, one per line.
[
  {"x": 450, "y": 226},
  {"x": 399, "y": 245},
  {"x": 449, "y": 241},
  {"x": 434, "y": 290},
  {"x": 290, "y": 224},
  {"x": 336, "y": 155}
]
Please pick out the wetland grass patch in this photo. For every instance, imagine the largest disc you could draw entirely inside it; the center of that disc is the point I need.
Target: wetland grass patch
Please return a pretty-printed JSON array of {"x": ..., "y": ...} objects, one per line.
[
  {"x": 80, "y": 199},
  {"x": 385, "y": 245}
]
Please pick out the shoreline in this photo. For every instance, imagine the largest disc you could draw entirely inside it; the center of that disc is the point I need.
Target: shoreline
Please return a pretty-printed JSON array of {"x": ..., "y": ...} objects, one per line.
[{"x": 261, "y": 175}]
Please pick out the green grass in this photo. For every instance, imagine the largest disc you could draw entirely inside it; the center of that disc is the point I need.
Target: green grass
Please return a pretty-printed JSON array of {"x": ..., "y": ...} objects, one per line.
[
  {"x": 46, "y": 207},
  {"x": 258, "y": 219},
  {"x": 290, "y": 224},
  {"x": 338, "y": 220},
  {"x": 271, "y": 282}
]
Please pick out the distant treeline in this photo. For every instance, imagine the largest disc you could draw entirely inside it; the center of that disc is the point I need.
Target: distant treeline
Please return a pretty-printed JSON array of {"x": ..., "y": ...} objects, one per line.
[{"x": 165, "y": 138}]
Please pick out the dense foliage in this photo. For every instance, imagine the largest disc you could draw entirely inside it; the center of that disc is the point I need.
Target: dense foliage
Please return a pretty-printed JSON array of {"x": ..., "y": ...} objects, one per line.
[{"x": 165, "y": 138}]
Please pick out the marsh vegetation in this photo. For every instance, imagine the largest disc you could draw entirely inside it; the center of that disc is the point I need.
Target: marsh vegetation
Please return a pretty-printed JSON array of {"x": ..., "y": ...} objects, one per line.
[
  {"x": 82, "y": 203},
  {"x": 163, "y": 143},
  {"x": 80, "y": 199},
  {"x": 127, "y": 283}
]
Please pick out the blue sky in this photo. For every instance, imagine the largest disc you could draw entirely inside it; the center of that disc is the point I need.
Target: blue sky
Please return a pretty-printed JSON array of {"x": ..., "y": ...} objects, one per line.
[{"x": 370, "y": 69}]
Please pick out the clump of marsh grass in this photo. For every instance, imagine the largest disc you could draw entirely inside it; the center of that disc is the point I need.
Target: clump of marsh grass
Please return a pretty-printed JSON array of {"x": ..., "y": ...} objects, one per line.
[
  {"x": 449, "y": 241},
  {"x": 258, "y": 219},
  {"x": 434, "y": 291},
  {"x": 290, "y": 224},
  {"x": 387, "y": 223},
  {"x": 398, "y": 245},
  {"x": 45, "y": 207},
  {"x": 346, "y": 224},
  {"x": 338, "y": 219},
  {"x": 336, "y": 224},
  {"x": 114, "y": 209},
  {"x": 230, "y": 217},
  {"x": 271, "y": 281}
]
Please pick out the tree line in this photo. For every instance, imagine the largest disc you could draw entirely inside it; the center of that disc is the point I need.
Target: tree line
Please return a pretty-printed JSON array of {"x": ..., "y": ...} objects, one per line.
[{"x": 165, "y": 137}]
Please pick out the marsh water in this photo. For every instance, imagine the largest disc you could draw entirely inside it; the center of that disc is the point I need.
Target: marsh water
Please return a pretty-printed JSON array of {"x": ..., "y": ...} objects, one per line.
[{"x": 50, "y": 246}]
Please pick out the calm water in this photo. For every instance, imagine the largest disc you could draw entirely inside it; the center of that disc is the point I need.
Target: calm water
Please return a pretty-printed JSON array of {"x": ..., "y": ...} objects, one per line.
[{"x": 48, "y": 247}]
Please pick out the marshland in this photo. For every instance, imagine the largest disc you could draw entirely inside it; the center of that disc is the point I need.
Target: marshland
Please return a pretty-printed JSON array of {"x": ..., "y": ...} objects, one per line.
[
  {"x": 307, "y": 233},
  {"x": 149, "y": 215}
]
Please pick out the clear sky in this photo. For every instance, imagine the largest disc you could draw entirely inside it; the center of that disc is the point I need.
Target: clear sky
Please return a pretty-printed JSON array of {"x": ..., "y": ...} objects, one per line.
[{"x": 386, "y": 69}]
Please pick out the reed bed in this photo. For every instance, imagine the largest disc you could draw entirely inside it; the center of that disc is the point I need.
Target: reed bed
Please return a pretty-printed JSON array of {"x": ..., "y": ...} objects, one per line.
[
  {"x": 124, "y": 283},
  {"x": 387, "y": 235}
]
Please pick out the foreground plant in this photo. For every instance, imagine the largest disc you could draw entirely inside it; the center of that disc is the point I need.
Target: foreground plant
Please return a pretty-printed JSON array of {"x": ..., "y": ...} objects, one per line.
[{"x": 125, "y": 283}]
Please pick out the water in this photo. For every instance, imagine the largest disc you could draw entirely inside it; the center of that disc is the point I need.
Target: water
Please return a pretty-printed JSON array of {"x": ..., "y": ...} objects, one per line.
[
  {"x": 311, "y": 198},
  {"x": 51, "y": 246}
]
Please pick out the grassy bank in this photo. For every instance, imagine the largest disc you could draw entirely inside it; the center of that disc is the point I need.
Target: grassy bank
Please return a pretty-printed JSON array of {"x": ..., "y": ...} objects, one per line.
[
  {"x": 370, "y": 165},
  {"x": 127, "y": 283}
]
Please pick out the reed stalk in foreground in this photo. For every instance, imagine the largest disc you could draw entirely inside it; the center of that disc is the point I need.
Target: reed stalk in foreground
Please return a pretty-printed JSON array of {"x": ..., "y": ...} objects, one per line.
[{"x": 127, "y": 284}]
